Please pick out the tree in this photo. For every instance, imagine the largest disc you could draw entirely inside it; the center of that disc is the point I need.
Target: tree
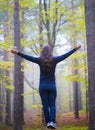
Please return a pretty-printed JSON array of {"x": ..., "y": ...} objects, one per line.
[
  {"x": 6, "y": 82},
  {"x": 7, "y": 72},
  {"x": 52, "y": 20},
  {"x": 75, "y": 62},
  {"x": 18, "y": 82},
  {"x": 8, "y": 93},
  {"x": 1, "y": 101},
  {"x": 90, "y": 34}
]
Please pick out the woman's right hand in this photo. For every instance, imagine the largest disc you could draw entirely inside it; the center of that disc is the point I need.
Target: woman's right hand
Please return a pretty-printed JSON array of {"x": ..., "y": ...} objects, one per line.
[{"x": 14, "y": 51}]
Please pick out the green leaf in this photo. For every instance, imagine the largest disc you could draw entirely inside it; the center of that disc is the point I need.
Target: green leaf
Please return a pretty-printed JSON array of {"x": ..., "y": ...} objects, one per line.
[
  {"x": 6, "y": 65},
  {"x": 73, "y": 78},
  {"x": 79, "y": 55},
  {"x": 28, "y": 3},
  {"x": 9, "y": 87}
]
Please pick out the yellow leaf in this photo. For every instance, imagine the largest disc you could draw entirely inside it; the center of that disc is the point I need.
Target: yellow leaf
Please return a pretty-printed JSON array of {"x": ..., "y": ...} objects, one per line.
[
  {"x": 29, "y": 93},
  {"x": 36, "y": 106},
  {"x": 9, "y": 87}
]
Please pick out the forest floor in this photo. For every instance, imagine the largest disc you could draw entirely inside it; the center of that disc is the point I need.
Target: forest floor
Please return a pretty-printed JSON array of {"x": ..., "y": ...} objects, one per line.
[
  {"x": 33, "y": 118},
  {"x": 65, "y": 121}
]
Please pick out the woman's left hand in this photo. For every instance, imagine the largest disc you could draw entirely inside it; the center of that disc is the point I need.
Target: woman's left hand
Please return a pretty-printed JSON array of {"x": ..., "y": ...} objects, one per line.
[{"x": 78, "y": 47}]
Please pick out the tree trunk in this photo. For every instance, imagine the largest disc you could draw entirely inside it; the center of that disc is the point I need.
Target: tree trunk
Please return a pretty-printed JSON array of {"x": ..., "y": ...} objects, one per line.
[
  {"x": 40, "y": 24},
  {"x": 79, "y": 97},
  {"x": 70, "y": 98},
  {"x": 51, "y": 28},
  {"x": 7, "y": 72},
  {"x": 75, "y": 62},
  {"x": 18, "y": 84},
  {"x": 1, "y": 104},
  {"x": 8, "y": 107},
  {"x": 76, "y": 110},
  {"x": 90, "y": 34},
  {"x": 41, "y": 43}
]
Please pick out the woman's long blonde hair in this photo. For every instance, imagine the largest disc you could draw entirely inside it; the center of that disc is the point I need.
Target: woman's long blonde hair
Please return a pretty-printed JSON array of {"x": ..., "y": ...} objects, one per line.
[{"x": 46, "y": 58}]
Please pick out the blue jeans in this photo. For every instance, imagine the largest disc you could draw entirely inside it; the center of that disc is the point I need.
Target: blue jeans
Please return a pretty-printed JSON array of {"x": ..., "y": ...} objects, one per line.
[{"x": 48, "y": 97}]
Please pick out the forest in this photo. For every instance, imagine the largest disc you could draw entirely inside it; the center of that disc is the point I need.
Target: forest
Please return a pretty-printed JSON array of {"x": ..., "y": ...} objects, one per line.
[{"x": 27, "y": 25}]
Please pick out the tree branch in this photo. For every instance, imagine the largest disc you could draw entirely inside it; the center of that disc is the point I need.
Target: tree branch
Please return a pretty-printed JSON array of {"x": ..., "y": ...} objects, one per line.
[{"x": 30, "y": 84}]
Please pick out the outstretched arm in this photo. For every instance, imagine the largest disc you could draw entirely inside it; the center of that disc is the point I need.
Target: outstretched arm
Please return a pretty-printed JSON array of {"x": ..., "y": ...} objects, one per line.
[
  {"x": 64, "y": 56},
  {"x": 27, "y": 57}
]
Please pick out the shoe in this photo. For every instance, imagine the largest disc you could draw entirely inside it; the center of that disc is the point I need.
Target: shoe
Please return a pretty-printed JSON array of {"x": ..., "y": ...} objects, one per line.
[
  {"x": 52, "y": 125},
  {"x": 48, "y": 125}
]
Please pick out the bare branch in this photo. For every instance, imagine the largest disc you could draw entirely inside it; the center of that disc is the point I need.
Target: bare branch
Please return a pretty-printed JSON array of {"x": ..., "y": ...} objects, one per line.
[{"x": 30, "y": 84}]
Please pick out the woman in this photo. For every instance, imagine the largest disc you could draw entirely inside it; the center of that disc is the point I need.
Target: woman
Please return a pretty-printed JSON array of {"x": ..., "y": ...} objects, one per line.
[{"x": 47, "y": 86}]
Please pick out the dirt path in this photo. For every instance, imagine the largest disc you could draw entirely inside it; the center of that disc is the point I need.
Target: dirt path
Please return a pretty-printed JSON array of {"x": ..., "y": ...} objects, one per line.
[{"x": 33, "y": 118}]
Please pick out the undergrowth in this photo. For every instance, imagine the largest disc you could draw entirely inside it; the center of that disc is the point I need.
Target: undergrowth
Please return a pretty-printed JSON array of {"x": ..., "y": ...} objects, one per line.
[{"x": 59, "y": 128}]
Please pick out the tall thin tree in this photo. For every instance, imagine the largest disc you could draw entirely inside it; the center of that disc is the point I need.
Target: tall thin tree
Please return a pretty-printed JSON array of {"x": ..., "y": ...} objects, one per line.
[
  {"x": 75, "y": 71},
  {"x": 90, "y": 34},
  {"x": 7, "y": 72},
  {"x": 18, "y": 83}
]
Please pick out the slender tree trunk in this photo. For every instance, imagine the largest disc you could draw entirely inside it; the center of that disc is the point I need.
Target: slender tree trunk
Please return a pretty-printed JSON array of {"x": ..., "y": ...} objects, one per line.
[
  {"x": 40, "y": 24},
  {"x": 76, "y": 110},
  {"x": 7, "y": 72},
  {"x": 75, "y": 62},
  {"x": 47, "y": 19},
  {"x": 18, "y": 84},
  {"x": 70, "y": 98},
  {"x": 8, "y": 107},
  {"x": 1, "y": 103},
  {"x": 8, "y": 96},
  {"x": 90, "y": 34},
  {"x": 51, "y": 28},
  {"x": 6, "y": 58},
  {"x": 41, "y": 43},
  {"x": 79, "y": 97}
]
